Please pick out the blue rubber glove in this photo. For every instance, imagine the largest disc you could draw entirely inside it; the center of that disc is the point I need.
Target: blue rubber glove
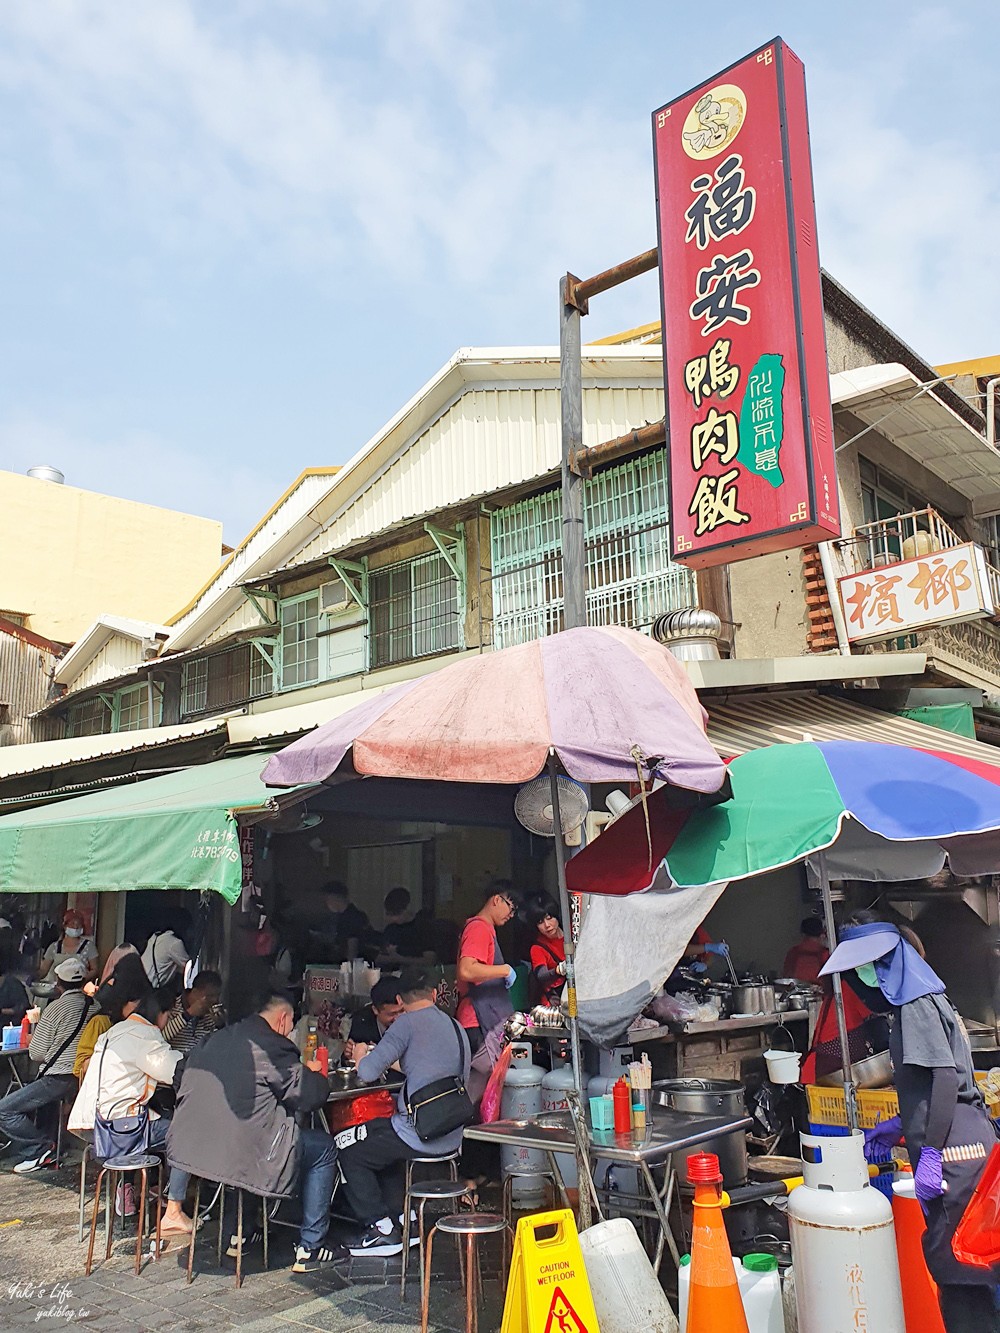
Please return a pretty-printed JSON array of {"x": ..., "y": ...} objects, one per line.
[
  {"x": 721, "y": 950},
  {"x": 880, "y": 1140},
  {"x": 510, "y": 978},
  {"x": 697, "y": 968},
  {"x": 928, "y": 1181}
]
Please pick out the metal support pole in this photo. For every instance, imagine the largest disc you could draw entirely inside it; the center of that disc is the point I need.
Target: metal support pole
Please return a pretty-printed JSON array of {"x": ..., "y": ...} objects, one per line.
[
  {"x": 850, "y": 1090},
  {"x": 576, "y": 1100},
  {"x": 571, "y": 411}
]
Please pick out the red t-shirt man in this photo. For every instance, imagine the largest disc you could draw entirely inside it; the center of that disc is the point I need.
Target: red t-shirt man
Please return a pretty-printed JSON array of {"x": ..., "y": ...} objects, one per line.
[{"x": 476, "y": 951}]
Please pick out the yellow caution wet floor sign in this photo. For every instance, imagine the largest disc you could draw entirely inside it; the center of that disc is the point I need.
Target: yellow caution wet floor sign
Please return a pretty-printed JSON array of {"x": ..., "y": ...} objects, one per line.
[{"x": 547, "y": 1290}]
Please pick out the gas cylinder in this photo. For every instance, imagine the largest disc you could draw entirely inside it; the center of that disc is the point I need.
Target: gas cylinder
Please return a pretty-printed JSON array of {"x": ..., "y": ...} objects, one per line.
[
  {"x": 843, "y": 1242},
  {"x": 556, "y": 1084},
  {"x": 521, "y": 1099}
]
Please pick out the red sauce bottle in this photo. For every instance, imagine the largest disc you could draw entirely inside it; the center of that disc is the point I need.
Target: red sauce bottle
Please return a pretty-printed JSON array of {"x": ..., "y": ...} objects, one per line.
[
  {"x": 25, "y": 1031},
  {"x": 623, "y": 1107}
]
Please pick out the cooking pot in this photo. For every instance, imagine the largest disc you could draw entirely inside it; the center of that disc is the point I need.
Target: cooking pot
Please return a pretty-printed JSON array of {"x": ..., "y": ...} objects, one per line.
[
  {"x": 874, "y": 1071},
  {"x": 708, "y": 1096},
  {"x": 756, "y": 998}
]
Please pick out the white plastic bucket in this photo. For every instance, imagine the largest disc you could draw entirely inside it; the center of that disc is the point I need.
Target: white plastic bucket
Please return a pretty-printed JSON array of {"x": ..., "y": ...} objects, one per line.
[{"x": 783, "y": 1066}]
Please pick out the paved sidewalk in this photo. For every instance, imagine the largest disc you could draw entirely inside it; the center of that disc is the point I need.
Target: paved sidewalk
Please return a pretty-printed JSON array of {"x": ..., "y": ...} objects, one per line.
[{"x": 42, "y": 1283}]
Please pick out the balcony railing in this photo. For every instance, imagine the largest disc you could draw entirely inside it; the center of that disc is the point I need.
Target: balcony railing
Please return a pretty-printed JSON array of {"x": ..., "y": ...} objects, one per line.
[{"x": 904, "y": 536}]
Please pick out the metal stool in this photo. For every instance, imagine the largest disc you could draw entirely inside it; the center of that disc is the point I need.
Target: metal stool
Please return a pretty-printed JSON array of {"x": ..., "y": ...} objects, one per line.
[
  {"x": 86, "y": 1137},
  {"x": 467, "y": 1226},
  {"x": 552, "y": 1189},
  {"x": 423, "y": 1192},
  {"x": 221, "y": 1196},
  {"x": 452, "y": 1161},
  {"x": 143, "y": 1163}
]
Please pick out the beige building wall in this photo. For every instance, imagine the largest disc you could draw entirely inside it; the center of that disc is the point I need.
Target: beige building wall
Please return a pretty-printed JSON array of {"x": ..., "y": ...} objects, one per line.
[{"x": 68, "y": 555}]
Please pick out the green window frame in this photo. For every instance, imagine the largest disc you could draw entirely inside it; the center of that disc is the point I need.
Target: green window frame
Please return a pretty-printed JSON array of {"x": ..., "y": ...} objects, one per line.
[
  {"x": 631, "y": 578},
  {"x": 298, "y": 640}
]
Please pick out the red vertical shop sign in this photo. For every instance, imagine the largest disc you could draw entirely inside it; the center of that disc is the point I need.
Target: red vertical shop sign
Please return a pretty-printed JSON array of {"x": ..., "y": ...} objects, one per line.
[{"x": 749, "y": 420}]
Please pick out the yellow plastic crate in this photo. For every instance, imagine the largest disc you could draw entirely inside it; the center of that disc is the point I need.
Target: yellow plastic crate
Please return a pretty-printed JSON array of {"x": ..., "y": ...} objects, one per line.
[{"x": 827, "y": 1106}]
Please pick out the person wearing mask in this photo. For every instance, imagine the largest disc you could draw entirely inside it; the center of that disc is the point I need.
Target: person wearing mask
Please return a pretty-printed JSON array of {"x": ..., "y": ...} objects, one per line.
[
  {"x": 427, "y": 1045},
  {"x": 196, "y": 1014},
  {"x": 53, "y": 1049},
  {"x": 72, "y": 943},
  {"x": 241, "y": 1099},
  {"x": 804, "y": 960},
  {"x": 547, "y": 954},
  {"x": 129, "y": 1060},
  {"x": 165, "y": 955},
  {"x": 484, "y": 979},
  {"x": 14, "y": 1002},
  {"x": 370, "y": 1024},
  {"x": 948, "y": 1135}
]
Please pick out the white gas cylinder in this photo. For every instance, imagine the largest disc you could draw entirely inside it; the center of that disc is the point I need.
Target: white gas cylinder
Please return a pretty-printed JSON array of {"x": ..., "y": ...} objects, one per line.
[
  {"x": 556, "y": 1085},
  {"x": 521, "y": 1099},
  {"x": 627, "y": 1294},
  {"x": 843, "y": 1242}
]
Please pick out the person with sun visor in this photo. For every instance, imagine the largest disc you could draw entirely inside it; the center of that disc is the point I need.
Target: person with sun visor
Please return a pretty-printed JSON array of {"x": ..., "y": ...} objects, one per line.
[{"x": 948, "y": 1134}]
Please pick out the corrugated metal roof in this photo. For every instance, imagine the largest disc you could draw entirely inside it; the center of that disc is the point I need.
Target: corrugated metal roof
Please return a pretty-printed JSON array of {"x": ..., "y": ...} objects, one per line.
[
  {"x": 17, "y": 760},
  {"x": 738, "y": 725}
]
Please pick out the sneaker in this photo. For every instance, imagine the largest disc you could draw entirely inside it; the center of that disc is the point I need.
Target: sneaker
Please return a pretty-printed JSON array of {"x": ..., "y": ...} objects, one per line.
[
  {"x": 253, "y": 1237},
  {"x": 307, "y": 1261},
  {"x": 381, "y": 1244},
  {"x": 125, "y": 1200},
  {"x": 46, "y": 1158}
]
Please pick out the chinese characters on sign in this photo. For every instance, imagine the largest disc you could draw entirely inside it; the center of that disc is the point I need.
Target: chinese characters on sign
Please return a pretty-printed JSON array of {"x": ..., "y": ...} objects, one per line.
[
  {"x": 748, "y": 398},
  {"x": 914, "y": 594}
]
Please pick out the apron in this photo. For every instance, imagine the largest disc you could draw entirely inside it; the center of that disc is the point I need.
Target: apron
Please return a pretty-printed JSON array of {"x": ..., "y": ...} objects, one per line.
[
  {"x": 491, "y": 1004},
  {"x": 970, "y": 1127}
]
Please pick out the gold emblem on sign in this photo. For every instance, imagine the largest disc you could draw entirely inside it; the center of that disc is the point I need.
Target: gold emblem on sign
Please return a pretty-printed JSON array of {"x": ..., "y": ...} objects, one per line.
[
  {"x": 799, "y": 515},
  {"x": 714, "y": 122},
  {"x": 683, "y": 543}
]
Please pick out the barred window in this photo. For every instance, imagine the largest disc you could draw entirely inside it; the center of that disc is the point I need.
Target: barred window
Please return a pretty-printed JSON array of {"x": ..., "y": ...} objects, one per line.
[
  {"x": 90, "y": 717},
  {"x": 223, "y": 679},
  {"x": 414, "y": 608},
  {"x": 630, "y": 576}
]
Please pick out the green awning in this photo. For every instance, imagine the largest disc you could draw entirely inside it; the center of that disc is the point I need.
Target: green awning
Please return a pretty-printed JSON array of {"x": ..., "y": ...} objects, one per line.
[{"x": 178, "y": 831}]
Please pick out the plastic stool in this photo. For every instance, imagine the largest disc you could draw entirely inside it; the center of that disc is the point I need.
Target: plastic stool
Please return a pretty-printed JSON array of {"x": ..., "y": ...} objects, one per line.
[
  {"x": 221, "y": 1197},
  {"x": 423, "y": 1192},
  {"x": 468, "y": 1227},
  {"x": 143, "y": 1163}
]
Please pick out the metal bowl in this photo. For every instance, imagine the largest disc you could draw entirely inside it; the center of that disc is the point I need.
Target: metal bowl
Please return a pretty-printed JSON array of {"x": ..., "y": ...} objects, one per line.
[{"x": 875, "y": 1071}]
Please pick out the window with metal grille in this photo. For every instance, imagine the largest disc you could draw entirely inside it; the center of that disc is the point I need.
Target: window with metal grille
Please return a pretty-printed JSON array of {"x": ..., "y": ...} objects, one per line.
[
  {"x": 414, "y": 609},
  {"x": 298, "y": 644},
  {"x": 90, "y": 717},
  {"x": 630, "y": 576},
  {"x": 223, "y": 679}
]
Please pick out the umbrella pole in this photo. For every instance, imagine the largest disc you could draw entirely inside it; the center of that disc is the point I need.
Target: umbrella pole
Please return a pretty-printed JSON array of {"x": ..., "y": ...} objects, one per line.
[
  {"x": 576, "y": 1100},
  {"x": 850, "y": 1090}
]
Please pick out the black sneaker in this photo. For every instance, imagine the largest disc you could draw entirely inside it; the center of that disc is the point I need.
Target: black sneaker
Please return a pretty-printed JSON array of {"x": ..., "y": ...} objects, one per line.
[
  {"x": 307, "y": 1261},
  {"x": 381, "y": 1244},
  {"x": 253, "y": 1237}
]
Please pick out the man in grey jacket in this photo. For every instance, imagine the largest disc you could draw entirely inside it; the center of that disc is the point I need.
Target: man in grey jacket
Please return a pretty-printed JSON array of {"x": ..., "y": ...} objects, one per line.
[
  {"x": 53, "y": 1048},
  {"x": 427, "y": 1045}
]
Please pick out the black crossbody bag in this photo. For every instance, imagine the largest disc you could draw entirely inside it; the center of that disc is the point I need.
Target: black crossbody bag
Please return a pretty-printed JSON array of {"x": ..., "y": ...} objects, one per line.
[{"x": 439, "y": 1107}]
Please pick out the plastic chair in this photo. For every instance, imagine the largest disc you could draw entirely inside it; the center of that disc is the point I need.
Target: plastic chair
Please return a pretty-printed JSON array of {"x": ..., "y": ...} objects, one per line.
[
  {"x": 423, "y": 1192},
  {"x": 120, "y": 1166},
  {"x": 468, "y": 1227},
  {"x": 221, "y": 1196}
]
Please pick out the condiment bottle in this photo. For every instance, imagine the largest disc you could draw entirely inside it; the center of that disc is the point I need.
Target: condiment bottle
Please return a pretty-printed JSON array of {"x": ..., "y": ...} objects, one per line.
[
  {"x": 311, "y": 1042},
  {"x": 623, "y": 1107},
  {"x": 25, "y": 1030}
]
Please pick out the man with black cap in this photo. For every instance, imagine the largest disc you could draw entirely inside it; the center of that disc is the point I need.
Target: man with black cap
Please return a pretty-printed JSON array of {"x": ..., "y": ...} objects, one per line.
[
  {"x": 941, "y": 1112},
  {"x": 53, "y": 1049}
]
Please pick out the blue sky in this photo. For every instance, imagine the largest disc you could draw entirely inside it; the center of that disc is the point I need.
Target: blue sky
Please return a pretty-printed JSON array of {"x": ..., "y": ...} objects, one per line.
[{"x": 238, "y": 235}]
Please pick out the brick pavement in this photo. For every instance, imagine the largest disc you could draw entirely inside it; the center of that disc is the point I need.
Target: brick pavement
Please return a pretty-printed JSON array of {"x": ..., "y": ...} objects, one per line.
[{"x": 42, "y": 1283}]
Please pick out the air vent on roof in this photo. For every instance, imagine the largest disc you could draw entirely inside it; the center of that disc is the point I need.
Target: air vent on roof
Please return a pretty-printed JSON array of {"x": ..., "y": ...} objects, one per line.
[{"x": 42, "y": 472}]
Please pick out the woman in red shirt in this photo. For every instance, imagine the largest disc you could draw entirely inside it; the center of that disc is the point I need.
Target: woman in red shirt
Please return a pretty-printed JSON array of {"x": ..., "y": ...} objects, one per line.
[{"x": 547, "y": 955}]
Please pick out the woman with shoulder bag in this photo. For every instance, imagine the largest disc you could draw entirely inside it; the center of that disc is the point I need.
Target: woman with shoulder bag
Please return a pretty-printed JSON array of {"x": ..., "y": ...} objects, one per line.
[{"x": 128, "y": 1063}]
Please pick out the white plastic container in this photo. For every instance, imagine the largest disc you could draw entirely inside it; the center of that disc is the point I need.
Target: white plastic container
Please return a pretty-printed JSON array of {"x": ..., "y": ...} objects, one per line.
[
  {"x": 760, "y": 1287},
  {"x": 521, "y": 1099},
  {"x": 556, "y": 1085},
  {"x": 684, "y": 1288},
  {"x": 783, "y": 1066},
  {"x": 627, "y": 1294},
  {"x": 843, "y": 1242}
]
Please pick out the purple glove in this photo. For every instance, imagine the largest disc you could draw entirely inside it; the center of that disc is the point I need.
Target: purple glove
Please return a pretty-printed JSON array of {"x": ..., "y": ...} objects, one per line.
[
  {"x": 880, "y": 1140},
  {"x": 928, "y": 1182}
]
